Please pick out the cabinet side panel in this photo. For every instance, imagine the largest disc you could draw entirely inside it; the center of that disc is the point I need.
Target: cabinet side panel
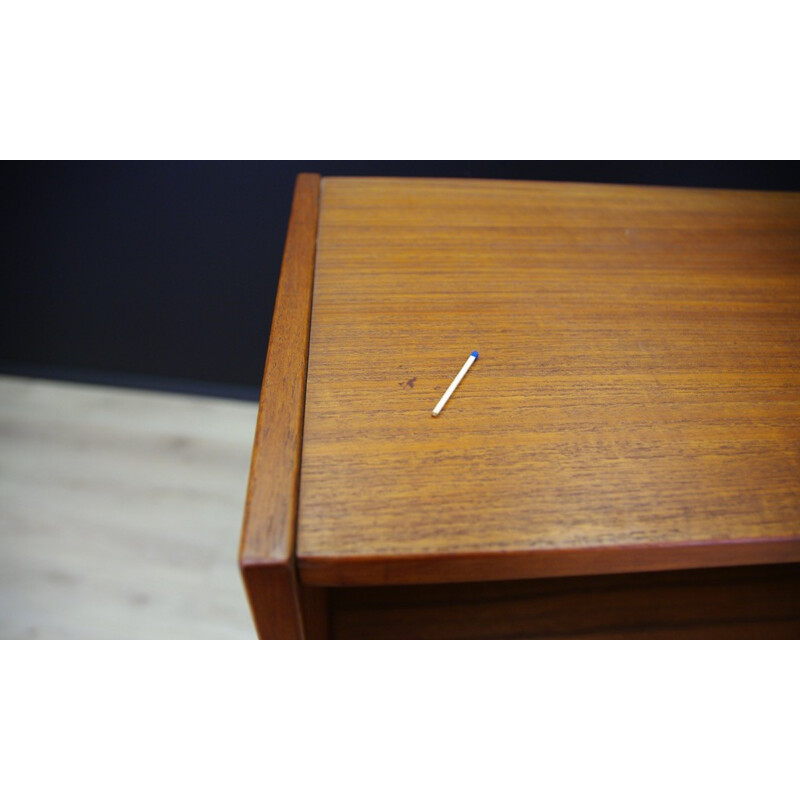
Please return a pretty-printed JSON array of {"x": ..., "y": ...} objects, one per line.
[{"x": 267, "y": 550}]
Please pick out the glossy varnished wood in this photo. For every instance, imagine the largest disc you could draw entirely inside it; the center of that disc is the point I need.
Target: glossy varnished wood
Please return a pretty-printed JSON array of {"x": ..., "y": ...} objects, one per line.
[
  {"x": 267, "y": 551},
  {"x": 636, "y": 403}
]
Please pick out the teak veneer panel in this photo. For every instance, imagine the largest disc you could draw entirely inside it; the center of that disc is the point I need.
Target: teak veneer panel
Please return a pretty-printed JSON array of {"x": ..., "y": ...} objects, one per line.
[
  {"x": 281, "y": 608},
  {"x": 635, "y": 406}
]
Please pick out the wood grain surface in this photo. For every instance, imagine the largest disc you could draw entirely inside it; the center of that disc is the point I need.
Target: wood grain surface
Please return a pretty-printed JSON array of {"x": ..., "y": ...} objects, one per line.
[
  {"x": 635, "y": 406},
  {"x": 267, "y": 547}
]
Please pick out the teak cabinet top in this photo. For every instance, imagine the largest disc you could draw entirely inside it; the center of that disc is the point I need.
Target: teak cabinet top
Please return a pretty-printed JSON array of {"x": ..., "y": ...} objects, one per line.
[{"x": 635, "y": 405}]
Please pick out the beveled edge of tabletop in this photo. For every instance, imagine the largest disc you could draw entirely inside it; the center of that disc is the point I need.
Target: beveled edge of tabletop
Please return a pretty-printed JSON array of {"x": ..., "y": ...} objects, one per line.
[
  {"x": 489, "y": 565},
  {"x": 553, "y": 186}
]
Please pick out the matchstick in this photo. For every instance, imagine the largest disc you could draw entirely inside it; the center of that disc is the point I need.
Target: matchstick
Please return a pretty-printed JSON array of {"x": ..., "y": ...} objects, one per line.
[{"x": 450, "y": 389}]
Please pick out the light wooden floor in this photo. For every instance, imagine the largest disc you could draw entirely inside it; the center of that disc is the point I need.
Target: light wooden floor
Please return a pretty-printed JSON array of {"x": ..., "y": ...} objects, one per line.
[{"x": 120, "y": 512}]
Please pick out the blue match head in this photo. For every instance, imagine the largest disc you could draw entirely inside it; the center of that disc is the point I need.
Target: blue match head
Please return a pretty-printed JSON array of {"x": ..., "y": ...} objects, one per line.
[{"x": 475, "y": 353}]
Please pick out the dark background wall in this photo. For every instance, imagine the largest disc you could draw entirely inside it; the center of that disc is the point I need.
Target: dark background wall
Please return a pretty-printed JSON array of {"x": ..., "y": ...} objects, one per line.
[{"x": 163, "y": 274}]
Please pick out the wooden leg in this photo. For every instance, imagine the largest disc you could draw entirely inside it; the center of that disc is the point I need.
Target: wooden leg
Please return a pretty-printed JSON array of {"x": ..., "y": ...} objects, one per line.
[
  {"x": 282, "y": 608},
  {"x": 274, "y": 601}
]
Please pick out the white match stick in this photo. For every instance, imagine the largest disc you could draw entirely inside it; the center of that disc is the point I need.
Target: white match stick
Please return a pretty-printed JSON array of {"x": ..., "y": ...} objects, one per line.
[{"x": 450, "y": 389}]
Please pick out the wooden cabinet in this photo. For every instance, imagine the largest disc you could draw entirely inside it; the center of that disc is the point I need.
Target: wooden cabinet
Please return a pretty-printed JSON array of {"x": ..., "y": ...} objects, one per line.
[{"x": 622, "y": 460}]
